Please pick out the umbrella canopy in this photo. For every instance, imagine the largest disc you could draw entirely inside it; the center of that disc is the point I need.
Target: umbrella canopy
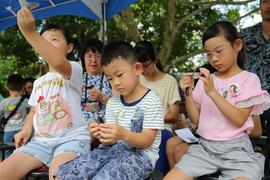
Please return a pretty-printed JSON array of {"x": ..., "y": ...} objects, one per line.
[{"x": 41, "y": 9}]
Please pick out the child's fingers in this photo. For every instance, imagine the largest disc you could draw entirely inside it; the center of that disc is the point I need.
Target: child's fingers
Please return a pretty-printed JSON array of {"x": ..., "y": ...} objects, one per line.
[
  {"x": 23, "y": 12},
  {"x": 106, "y": 135},
  {"x": 96, "y": 135},
  {"x": 204, "y": 72},
  {"x": 94, "y": 130},
  {"x": 18, "y": 141},
  {"x": 105, "y": 141},
  {"x": 24, "y": 141},
  {"x": 93, "y": 125},
  {"x": 185, "y": 83},
  {"x": 106, "y": 130},
  {"x": 107, "y": 126}
]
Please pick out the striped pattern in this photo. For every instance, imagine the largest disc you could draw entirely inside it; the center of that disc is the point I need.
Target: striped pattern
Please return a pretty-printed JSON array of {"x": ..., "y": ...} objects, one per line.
[
  {"x": 259, "y": 103},
  {"x": 121, "y": 113},
  {"x": 166, "y": 89}
]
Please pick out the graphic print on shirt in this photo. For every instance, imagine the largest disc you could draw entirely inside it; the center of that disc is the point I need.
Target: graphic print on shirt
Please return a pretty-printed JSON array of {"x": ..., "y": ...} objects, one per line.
[
  {"x": 229, "y": 93},
  {"x": 53, "y": 112},
  {"x": 232, "y": 91},
  {"x": 136, "y": 119}
]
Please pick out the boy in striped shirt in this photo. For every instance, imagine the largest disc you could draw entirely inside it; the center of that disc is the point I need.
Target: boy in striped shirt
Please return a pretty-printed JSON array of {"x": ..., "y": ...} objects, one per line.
[{"x": 131, "y": 134}]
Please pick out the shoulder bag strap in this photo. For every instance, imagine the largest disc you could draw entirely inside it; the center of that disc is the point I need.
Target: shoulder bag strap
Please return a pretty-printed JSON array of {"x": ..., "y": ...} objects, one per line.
[{"x": 14, "y": 110}]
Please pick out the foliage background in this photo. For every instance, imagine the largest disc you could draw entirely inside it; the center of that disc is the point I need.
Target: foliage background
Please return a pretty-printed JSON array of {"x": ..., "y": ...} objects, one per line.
[{"x": 174, "y": 26}]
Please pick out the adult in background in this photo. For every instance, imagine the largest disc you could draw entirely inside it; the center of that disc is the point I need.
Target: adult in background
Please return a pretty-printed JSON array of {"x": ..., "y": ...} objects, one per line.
[
  {"x": 166, "y": 87},
  {"x": 96, "y": 89},
  {"x": 257, "y": 41},
  {"x": 28, "y": 86}
]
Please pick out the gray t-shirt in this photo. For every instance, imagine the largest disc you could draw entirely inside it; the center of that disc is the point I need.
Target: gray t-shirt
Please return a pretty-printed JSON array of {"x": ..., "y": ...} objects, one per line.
[{"x": 15, "y": 122}]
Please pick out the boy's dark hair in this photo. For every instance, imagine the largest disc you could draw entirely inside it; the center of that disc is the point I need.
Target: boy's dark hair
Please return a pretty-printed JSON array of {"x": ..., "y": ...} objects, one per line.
[
  {"x": 93, "y": 45},
  {"x": 15, "y": 82},
  {"x": 231, "y": 34},
  {"x": 145, "y": 51},
  {"x": 65, "y": 31},
  {"x": 117, "y": 49},
  {"x": 29, "y": 79}
]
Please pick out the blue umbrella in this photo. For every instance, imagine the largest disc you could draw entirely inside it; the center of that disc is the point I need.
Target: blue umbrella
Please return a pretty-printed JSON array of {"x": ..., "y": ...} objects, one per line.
[{"x": 93, "y": 9}]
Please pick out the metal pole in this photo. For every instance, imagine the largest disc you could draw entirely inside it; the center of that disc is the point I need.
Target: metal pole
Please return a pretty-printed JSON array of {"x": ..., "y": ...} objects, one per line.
[{"x": 103, "y": 23}]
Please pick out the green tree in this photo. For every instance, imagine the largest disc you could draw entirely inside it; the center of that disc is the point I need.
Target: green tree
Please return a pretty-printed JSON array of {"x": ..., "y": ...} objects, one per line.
[{"x": 175, "y": 27}]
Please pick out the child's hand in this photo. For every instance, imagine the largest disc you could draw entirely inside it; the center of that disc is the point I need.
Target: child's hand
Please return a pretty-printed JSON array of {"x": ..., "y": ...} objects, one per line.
[
  {"x": 111, "y": 133},
  {"x": 95, "y": 94},
  {"x": 94, "y": 130},
  {"x": 207, "y": 79},
  {"x": 26, "y": 21},
  {"x": 21, "y": 138},
  {"x": 186, "y": 81}
]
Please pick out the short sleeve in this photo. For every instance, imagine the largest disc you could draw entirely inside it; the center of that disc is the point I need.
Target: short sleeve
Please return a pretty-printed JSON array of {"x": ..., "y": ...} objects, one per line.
[
  {"x": 252, "y": 95},
  {"x": 76, "y": 75},
  {"x": 33, "y": 99},
  {"x": 154, "y": 114},
  {"x": 109, "y": 113}
]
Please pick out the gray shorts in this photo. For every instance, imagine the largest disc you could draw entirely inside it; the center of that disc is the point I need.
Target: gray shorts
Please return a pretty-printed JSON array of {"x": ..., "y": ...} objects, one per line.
[
  {"x": 45, "y": 151},
  {"x": 234, "y": 158}
]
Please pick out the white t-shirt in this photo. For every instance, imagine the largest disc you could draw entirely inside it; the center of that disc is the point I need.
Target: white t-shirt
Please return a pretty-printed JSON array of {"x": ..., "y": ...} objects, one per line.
[
  {"x": 148, "y": 107},
  {"x": 57, "y": 106}
]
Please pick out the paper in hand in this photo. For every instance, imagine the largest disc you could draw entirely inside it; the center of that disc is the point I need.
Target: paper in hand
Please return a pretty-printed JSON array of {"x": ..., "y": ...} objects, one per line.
[
  {"x": 186, "y": 135},
  {"x": 24, "y": 3}
]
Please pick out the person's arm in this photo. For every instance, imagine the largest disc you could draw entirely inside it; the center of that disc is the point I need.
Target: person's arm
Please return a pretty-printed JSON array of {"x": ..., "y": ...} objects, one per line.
[
  {"x": 257, "y": 130},
  {"x": 28, "y": 125},
  {"x": 237, "y": 116},
  {"x": 191, "y": 107},
  {"x": 47, "y": 51},
  {"x": 23, "y": 136},
  {"x": 172, "y": 113}
]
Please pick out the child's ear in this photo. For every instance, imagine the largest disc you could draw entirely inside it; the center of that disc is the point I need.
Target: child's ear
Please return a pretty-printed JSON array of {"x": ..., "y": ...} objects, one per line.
[
  {"x": 138, "y": 68},
  {"x": 70, "y": 48},
  {"x": 238, "y": 44}
]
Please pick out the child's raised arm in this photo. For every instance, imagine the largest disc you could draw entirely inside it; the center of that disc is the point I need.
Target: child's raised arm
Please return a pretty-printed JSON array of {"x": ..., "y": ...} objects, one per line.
[{"x": 53, "y": 56}]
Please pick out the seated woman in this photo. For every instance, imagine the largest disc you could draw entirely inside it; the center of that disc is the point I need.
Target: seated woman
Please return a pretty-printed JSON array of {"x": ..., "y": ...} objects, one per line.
[{"x": 96, "y": 89}]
